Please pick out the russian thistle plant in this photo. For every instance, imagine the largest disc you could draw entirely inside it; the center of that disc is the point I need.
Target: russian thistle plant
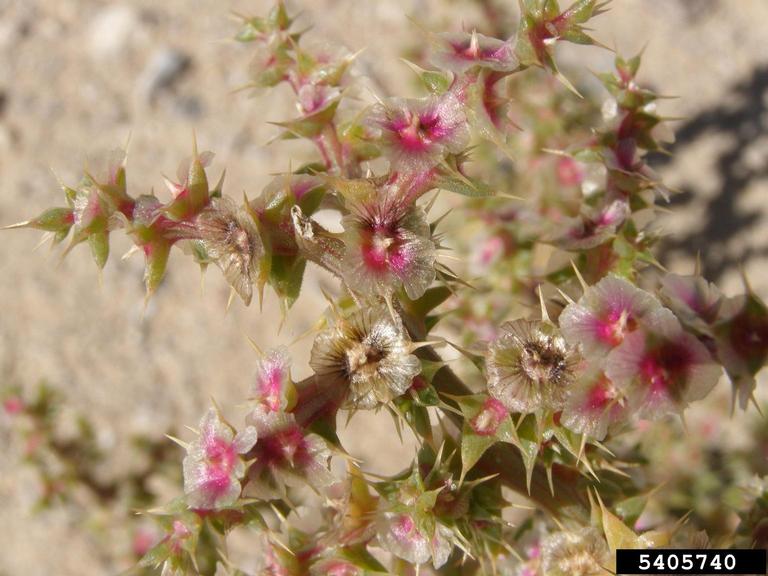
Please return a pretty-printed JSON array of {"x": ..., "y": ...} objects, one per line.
[{"x": 573, "y": 339}]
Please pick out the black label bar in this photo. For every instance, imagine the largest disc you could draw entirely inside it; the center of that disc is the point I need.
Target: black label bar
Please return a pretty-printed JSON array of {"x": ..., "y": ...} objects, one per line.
[{"x": 682, "y": 561}]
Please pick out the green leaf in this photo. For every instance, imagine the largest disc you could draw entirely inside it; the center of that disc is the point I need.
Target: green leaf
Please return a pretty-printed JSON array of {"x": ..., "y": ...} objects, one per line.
[
  {"x": 528, "y": 445},
  {"x": 286, "y": 275},
  {"x": 464, "y": 185},
  {"x": 309, "y": 126},
  {"x": 435, "y": 81},
  {"x": 473, "y": 446},
  {"x": 99, "y": 243},
  {"x": 430, "y": 300},
  {"x": 361, "y": 558},
  {"x": 156, "y": 262},
  {"x": 630, "y": 508}
]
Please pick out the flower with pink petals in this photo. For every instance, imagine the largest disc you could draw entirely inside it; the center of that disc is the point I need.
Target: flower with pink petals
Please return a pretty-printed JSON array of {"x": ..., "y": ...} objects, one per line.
[
  {"x": 334, "y": 567},
  {"x": 285, "y": 455},
  {"x": 605, "y": 314},
  {"x": 417, "y": 134},
  {"x": 274, "y": 389},
  {"x": 388, "y": 246},
  {"x": 407, "y": 539},
  {"x": 213, "y": 466},
  {"x": 594, "y": 405},
  {"x": 662, "y": 369},
  {"x": 570, "y": 172},
  {"x": 694, "y": 300},
  {"x": 492, "y": 414},
  {"x": 593, "y": 227},
  {"x": 530, "y": 366},
  {"x": 741, "y": 335},
  {"x": 462, "y": 51}
]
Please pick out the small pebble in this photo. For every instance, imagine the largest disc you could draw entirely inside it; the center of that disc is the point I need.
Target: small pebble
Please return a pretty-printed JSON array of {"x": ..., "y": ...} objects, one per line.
[{"x": 165, "y": 67}]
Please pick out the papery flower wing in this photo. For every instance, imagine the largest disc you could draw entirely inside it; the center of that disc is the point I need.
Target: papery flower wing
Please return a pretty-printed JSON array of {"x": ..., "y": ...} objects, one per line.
[
  {"x": 605, "y": 313},
  {"x": 694, "y": 300},
  {"x": 399, "y": 534},
  {"x": 231, "y": 239},
  {"x": 212, "y": 467},
  {"x": 413, "y": 261},
  {"x": 662, "y": 369},
  {"x": 416, "y": 134},
  {"x": 461, "y": 51},
  {"x": 273, "y": 383},
  {"x": 594, "y": 405},
  {"x": 245, "y": 439}
]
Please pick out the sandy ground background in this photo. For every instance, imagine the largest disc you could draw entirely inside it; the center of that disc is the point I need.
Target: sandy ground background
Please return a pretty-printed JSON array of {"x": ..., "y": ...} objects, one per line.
[{"x": 77, "y": 76}]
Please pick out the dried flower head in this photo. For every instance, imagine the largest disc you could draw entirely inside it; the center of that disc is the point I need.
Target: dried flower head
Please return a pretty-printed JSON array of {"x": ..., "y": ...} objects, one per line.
[
  {"x": 388, "y": 246},
  {"x": 605, "y": 314},
  {"x": 370, "y": 354},
  {"x": 530, "y": 366},
  {"x": 662, "y": 369},
  {"x": 231, "y": 239},
  {"x": 213, "y": 467},
  {"x": 582, "y": 553},
  {"x": 417, "y": 134}
]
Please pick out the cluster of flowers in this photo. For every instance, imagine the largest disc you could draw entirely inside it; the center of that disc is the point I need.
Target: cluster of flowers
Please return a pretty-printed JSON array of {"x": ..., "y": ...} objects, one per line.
[{"x": 548, "y": 391}]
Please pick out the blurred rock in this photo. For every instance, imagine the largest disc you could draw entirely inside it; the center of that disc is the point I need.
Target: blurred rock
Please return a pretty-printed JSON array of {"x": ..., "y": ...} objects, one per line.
[
  {"x": 166, "y": 66},
  {"x": 189, "y": 107}
]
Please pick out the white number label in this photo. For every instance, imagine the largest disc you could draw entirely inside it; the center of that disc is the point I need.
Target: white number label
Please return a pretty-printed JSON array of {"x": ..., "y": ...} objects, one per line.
[{"x": 645, "y": 563}]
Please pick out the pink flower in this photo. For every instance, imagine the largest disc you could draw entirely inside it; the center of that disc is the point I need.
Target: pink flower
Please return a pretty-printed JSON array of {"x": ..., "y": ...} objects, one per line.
[
  {"x": 334, "y": 567},
  {"x": 490, "y": 417},
  {"x": 213, "y": 467},
  {"x": 486, "y": 252},
  {"x": 570, "y": 172},
  {"x": 694, "y": 300},
  {"x": 143, "y": 541},
  {"x": 417, "y": 134},
  {"x": 388, "y": 246},
  {"x": 461, "y": 51},
  {"x": 402, "y": 536},
  {"x": 741, "y": 336},
  {"x": 273, "y": 386},
  {"x": 285, "y": 455},
  {"x": 662, "y": 369},
  {"x": 312, "y": 98},
  {"x": 594, "y": 405},
  {"x": 593, "y": 227},
  {"x": 605, "y": 314},
  {"x": 13, "y": 405}
]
